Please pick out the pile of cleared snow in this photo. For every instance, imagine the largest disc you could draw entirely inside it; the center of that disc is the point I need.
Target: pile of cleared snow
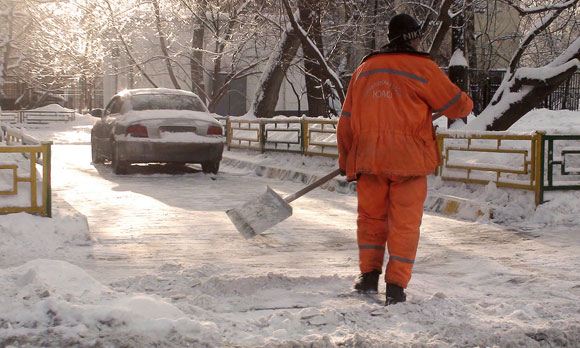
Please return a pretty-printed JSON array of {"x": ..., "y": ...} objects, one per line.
[
  {"x": 53, "y": 302},
  {"x": 549, "y": 121},
  {"x": 485, "y": 307},
  {"x": 52, "y": 108},
  {"x": 77, "y": 131},
  {"x": 25, "y": 237}
]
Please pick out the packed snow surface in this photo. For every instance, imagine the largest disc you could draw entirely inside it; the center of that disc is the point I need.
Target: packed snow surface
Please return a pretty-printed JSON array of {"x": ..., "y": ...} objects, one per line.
[{"x": 162, "y": 265}]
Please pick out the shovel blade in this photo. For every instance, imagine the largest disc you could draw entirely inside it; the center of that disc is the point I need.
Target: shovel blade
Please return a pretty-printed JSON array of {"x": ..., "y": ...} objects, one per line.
[{"x": 260, "y": 214}]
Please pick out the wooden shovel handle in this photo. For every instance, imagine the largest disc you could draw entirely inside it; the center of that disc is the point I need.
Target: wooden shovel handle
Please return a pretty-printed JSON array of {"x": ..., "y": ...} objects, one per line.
[{"x": 312, "y": 186}]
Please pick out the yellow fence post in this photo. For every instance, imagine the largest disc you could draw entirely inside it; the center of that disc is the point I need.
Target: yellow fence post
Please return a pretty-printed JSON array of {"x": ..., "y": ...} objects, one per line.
[
  {"x": 46, "y": 177},
  {"x": 440, "y": 140}
]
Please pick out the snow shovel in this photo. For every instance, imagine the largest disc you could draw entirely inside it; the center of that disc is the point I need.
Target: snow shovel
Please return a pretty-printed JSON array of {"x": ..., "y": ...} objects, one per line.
[{"x": 269, "y": 209}]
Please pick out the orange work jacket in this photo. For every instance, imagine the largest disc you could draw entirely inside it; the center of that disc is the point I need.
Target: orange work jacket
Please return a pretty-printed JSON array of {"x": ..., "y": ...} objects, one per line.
[{"x": 386, "y": 127}]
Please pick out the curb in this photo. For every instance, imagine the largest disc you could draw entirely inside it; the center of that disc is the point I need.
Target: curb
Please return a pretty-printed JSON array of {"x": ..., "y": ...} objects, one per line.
[
  {"x": 456, "y": 207},
  {"x": 449, "y": 206},
  {"x": 334, "y": 185}
]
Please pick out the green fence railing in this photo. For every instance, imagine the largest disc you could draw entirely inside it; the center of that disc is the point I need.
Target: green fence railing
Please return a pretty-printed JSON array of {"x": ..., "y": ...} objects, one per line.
[{"x": 563, "y": 151}]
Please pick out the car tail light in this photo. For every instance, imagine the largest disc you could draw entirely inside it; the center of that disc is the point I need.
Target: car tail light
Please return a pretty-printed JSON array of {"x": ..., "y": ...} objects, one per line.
[
  {"x": 137, "y": 131},
  {"x": 214, "y": 130}
]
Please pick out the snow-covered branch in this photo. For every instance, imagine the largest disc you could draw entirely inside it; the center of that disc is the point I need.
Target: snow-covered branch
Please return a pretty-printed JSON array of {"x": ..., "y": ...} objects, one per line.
[
  {"x": 539, "y": 27},
  {"x": 526, "y": 88},
  {"x": 540, "y": 9}
]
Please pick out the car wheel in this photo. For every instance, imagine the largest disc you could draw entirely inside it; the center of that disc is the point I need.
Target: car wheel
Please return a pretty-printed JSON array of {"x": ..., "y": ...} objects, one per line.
[
  {"x": 95, "y": 154},
  {"x": 210, "y": 167},
  {"x": 119, "y": 167}
]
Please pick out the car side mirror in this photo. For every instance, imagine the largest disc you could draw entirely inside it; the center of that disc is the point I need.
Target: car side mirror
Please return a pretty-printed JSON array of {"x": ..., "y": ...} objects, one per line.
[{"x": 97, "y": 112}]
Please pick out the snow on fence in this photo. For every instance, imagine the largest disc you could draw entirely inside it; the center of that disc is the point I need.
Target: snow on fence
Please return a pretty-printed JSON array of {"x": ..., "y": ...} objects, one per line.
[{"x": 22, "y": 187}]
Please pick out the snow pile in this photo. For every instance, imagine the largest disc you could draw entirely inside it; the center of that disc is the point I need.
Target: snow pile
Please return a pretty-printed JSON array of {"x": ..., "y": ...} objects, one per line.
[
  {"x": 77, "y": 131},
  {"x": 52, "y": 108},
  {"x": 276, "y": 309},
  {"x": 45, "y": 302},
  {"x": 549, "y": 121},
  {"x": 25, "y": 236}
]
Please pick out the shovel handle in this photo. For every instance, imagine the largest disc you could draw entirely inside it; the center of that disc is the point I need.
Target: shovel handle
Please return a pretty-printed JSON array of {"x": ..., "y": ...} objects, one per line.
[{"x": 312, "y": 186}]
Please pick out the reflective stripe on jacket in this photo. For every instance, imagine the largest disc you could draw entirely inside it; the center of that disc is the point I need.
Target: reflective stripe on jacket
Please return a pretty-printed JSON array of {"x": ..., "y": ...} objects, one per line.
[{"x": 386, "y": 123}]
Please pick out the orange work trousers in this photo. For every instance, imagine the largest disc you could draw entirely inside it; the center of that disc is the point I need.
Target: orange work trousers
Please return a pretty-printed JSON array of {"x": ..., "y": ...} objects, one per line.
[{"x": 390, "y": 210}]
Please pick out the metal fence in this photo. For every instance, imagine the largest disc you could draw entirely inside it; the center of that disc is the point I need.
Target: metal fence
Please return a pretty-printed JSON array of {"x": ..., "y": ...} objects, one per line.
[
  {"x": 563, "y": 151},
  {"x": 36, "y": 152},
  {"x": 512, "y": 160},
  {"x": 525, "y": 161},
  {"x": 36, "y": 116},
  {"x": 309, "y": 136}
]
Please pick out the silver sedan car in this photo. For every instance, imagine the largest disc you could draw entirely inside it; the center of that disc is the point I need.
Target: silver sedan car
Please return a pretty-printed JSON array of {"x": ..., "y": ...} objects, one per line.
[{"x": 156, "y": 125}]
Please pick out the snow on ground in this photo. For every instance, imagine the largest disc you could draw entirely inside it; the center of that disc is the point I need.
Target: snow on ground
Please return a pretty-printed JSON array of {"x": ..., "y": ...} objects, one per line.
[{"x": 162, "y": 266}]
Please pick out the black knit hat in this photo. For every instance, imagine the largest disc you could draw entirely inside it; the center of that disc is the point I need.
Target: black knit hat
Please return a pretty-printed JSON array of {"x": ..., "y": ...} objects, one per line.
[{"x": 403, "y": 28}]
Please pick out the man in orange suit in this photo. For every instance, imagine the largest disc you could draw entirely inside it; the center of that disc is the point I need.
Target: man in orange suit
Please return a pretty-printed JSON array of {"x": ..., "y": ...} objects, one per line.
[{"x": 387, "y": 144}]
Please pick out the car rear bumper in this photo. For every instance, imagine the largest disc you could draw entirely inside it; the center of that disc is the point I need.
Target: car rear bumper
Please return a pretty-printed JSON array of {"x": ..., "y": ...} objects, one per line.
[{"x": 144, "y": 151}]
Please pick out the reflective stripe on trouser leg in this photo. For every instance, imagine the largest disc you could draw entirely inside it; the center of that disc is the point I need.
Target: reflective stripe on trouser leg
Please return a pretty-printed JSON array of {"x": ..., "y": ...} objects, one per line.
[
  {"x": 405, "y": 211},
  {"x": 372, "y": 193}
]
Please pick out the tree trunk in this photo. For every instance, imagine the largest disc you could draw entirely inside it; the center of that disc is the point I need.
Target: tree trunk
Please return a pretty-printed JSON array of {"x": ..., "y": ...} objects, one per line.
[
  {"x": 458, "y": 69},
  {"x": 444, "y": 25},
  {"x": 314, "y": 74},
  {"x": 6, "y": 33},
  {"x": 196, "y": 60},
  {"x": 163, "y": 45},
  {"x": 269, "y": 87}
]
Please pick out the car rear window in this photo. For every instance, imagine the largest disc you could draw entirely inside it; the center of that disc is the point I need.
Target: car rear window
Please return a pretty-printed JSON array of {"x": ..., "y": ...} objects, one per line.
[{"x": 166, "y": 102}]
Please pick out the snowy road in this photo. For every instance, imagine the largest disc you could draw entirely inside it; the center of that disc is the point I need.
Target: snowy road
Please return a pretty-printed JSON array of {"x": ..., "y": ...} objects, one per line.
[
  {"x": 154, "y": 216},
  {"x": 166, "y": 234}
]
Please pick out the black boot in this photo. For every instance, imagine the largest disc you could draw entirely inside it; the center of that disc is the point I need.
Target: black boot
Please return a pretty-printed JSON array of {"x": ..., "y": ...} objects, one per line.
[
  {"x": 368, "y": 283},
  {"x": 395, "y": 294}
]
